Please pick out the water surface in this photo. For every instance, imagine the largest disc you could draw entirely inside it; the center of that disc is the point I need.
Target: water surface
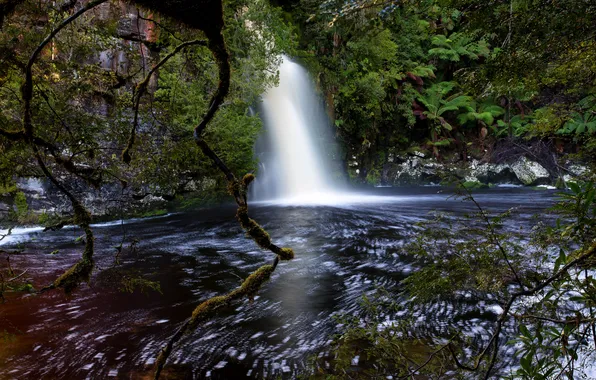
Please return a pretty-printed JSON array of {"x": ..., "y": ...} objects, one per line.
[{"x": 343, "y": 249}]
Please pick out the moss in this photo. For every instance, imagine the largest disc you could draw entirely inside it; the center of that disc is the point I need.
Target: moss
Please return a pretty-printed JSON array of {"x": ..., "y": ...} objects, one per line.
[
  {"x": 131, "y": 284},
  {"x": 259, "y": 235},
  {"x": 20, "y": 202},
  {"x": 78, "y": 273},
  {"x": 249, "y": 288},
  {"x": 81, "y": 215},
  {"x": 474, "y": 185},
  {"x": 242, "y": 213},
  {"x": 8, "y": 188},
  {"x": 253, "y": 229},
  {"x": 286, "y": 254},
  {"x": 253, "y": 283},
  {"x": 233, "y": 188},
  {"x": 43, "y": 218},
  {"x": 247, "y": 179},
  {"x": 206, "y": 309},
  {"x": 152, "y": 213}
]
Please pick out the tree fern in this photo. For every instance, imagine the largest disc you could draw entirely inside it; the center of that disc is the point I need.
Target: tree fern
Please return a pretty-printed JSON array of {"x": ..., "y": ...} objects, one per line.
[
  {"x": 437, "y": 104},
  {"x": 485, "y": 113},
  {"x": 458, "y": 45}
]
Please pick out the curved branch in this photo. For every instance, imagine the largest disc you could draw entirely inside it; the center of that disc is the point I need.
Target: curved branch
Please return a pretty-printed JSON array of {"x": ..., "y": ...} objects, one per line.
[
  {"x": 140, "y": 91},
  {"x": 217, "y": 46},
  {"x": 208, "y": 308},
  {"x": 236, "y": 188},
  {"x": 82, "y": 270}
]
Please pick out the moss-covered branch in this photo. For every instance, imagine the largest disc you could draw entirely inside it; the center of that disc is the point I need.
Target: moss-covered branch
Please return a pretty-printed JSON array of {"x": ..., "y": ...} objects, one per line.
[
  {"x": 210, "y": 307},
  {"x": 236, "y": 188}
]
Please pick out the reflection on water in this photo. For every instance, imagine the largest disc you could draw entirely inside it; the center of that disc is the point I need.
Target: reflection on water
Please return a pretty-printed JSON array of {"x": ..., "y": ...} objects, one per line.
[{"x": 343, "y": 251}]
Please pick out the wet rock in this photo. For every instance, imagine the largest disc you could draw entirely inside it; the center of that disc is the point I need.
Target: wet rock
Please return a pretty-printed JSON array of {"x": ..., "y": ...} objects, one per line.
[
  {"x": 413, "y": 171},
  {"x": 488, "y": 173},
  {"x": 575, "y": 171},
  {"x": 530, "y": 172}
]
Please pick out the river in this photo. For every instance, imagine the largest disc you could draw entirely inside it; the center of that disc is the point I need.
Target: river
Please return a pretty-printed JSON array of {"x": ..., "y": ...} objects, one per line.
[{"x": 342, "y": 252}]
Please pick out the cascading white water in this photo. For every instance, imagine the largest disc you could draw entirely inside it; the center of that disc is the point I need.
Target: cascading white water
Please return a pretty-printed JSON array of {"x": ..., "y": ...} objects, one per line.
[
  {"x": 296, "y": 148},
  {"x": 295, "y": 167}
]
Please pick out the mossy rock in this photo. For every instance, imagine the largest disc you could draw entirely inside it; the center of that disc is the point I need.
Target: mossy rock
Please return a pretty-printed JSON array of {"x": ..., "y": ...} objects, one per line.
[{"x": 474, "y": 185}]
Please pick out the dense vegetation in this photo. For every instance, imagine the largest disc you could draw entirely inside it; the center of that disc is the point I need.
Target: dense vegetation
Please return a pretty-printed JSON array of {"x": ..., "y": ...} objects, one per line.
[
  {"x": 130, "y": 103},
  {"x": 104, "y": 72},
  {"x": 453, "y": 76}
]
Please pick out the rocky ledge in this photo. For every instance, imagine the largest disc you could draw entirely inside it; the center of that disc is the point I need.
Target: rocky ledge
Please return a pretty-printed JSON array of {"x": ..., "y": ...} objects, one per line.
[{"x": 416, "y": 169}]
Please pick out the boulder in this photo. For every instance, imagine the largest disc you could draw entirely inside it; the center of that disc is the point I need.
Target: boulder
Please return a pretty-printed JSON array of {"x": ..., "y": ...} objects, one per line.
[
  {"x": 530, "y": 172},
  {"x": 491, "y": 173}
]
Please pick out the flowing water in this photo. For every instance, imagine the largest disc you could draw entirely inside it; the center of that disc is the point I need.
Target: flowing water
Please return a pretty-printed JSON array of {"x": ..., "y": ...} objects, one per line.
[
  {"x": 294, "y": 165},
  {"x": 342, "y": 252}
]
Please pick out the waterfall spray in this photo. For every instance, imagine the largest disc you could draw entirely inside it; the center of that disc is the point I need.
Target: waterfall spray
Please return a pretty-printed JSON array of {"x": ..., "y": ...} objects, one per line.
[{"x": 296, "y": 166}]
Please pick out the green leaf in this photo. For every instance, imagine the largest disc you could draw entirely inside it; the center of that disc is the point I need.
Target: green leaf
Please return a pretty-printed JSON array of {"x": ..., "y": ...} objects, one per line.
[
  {"x": 574, "y": 187},
  {"x": 526, "y": 364},
  {"x": 561, "y": 260}
]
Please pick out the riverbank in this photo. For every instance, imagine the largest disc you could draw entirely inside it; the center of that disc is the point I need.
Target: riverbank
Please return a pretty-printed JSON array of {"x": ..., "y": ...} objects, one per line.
[
  {"x": 37, "y": 203},
  {"x": 503, "y": 162}
]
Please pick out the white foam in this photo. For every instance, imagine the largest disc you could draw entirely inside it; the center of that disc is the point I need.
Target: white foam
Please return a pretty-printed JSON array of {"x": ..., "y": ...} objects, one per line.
[
  {"x": 509, "y": 185},
  {"x": 18, "y": 234},
  {"x": 333, "y": 199}
]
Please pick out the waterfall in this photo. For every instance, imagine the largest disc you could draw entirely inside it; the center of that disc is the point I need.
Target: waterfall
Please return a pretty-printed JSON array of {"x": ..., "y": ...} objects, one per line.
[{"x": 294, "y": 165}]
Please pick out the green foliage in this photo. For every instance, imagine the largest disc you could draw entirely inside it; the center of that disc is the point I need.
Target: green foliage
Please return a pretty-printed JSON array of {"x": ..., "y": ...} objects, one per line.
[
  {"x": 21, "y": 212},
  {"x": 484, "y": 113},
  {"x": 481, "y": 256},
  {"x": 583, "y": 121},
  {"x": 458, "y": 46},
  {"x": 579, "y": 124},
  {"x": 518, "y": 124},
  {"x": 85, "y": 111},
  {"x": 437, "y": 104},
  {"x": 8, "y": 188},
  {"x": 20, "y": 202},
  {"x": 508, "y": 61},
  {"x": 369, "y": 347}
]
